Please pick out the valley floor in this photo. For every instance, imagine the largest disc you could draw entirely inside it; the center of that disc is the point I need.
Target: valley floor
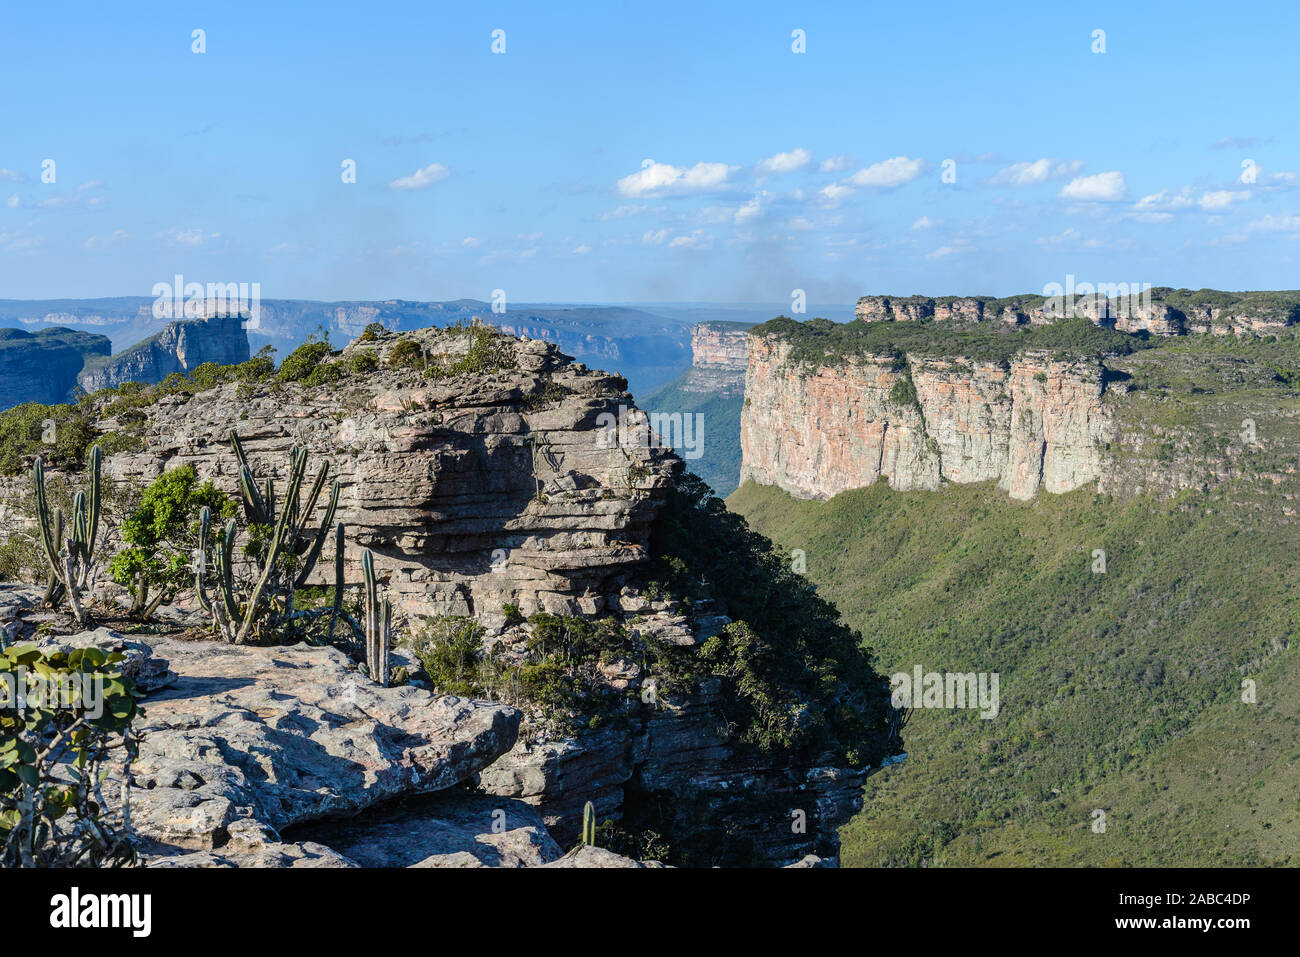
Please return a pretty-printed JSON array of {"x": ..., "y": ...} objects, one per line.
[{"x": 1121, "y": 690}]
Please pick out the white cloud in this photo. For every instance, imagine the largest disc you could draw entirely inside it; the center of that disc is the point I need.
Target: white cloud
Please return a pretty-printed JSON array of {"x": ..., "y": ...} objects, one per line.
[
  {"x": 801, "y": 224},
  {"x": 1166, "y": 200},
  {"x": 1222, "y": 198},
  {"x": 470, "y": 242},
  {"x": 1287, "y": 222},
  {"x": 888, "y": 173},
  {"x": 786, "y": 162},
  {"x": 581, "y": 250},
  {"x": 836, "y": 192},
  {"x": 421, "y": 178},
  {"x": 748, "y": 211},
  {"x": 943, "y": 251},
  {"x": 13, "y": 201},
  {"x": 12, "y": 174},
  {"x": 623, "y": 212},
  {"x": 1039, "y": 171},
  {"x": 835, "y": 164},
  {"x": 925, "y": 222},
  {"x": 1099, "y": 187},
  {"x": 186, "y": 237},
  {"x": 656, "y": 237},
  {"x": 659, "y": 178},
  {"x": 117, "y": 236},
  {"x": 696, "y": 240}
]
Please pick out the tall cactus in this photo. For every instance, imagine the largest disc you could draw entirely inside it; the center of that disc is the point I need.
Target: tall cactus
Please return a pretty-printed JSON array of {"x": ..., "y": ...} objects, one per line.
[
  {"x": 589, "y": 824},
  {"x": 240, "y": 612},
  {"x": 72, "y": 562},
  {"x": 379, "y": 624}
]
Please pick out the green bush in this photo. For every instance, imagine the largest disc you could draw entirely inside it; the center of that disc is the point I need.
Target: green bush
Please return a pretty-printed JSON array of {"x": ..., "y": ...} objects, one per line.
[
  {"x": 363, "y": 361},
  {"x": 60, "y": 434},
  {"x": 407, "y": 354},
  {"x": 451, "y": 651},
  {"x": 302, "y": 362},
  {"x": 56, "y": 754},
  {"x": 160, "y": 537}
]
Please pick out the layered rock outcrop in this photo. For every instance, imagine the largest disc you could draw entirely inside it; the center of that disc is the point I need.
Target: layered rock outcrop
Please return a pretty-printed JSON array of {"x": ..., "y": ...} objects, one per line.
[
  {"x": 182, "y": 347},
  {"x": 1126, "y": 307},
  {"x": 1035, "y": 423},
  {"x": 471, "y": 492},
  {"x": 531, "y": 485},
  {"x": 719, "y": 358},
  {"x": 43, "y": 366}
]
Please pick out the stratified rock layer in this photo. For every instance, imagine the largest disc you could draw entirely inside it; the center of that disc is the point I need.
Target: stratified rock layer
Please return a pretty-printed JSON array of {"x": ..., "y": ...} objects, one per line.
[
  {"x": 182, "y": 347},
  {"x": 817, "y": 431}
]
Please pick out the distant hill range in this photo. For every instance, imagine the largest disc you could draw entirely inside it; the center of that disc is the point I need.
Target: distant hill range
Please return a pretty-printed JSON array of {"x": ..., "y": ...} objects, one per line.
[{"x": 647, "y": 348}]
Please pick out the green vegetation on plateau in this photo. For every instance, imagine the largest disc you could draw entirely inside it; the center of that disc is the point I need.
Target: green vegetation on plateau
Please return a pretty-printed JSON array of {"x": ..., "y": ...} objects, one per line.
[
  {"x": 819, "y": 340},
  {"x": 1120, "y": 691}
]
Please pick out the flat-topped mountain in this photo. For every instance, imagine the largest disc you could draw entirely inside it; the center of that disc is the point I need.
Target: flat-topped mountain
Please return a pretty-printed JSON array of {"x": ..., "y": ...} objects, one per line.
[
  {"x": 181, "y": 346},
  {"x": 43, "y": 366},
  {"x": 1126, "y": 307}
]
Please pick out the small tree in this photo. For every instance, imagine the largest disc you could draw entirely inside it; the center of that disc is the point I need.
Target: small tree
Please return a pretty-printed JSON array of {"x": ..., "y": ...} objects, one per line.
[{"x": 161, "y": 536}]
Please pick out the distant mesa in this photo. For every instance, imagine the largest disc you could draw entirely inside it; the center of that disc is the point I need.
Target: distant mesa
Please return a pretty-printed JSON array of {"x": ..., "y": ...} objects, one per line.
[
  {"x": 181, "y": 346},
  {"x": 43, "y": 366}
]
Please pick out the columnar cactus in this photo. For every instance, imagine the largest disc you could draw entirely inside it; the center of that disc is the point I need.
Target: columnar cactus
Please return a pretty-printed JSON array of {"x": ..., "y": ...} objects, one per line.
[
  {"x": 589, "y": 824},
  {"x": 71, "y": 563},
  {"x": 279, "y": 571},
  {"x": 379, "y": 624}
]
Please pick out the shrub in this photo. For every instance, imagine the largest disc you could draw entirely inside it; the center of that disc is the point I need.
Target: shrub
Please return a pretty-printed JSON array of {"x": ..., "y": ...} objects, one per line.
[
  {"x": 407, "y": 354},
  {"x": 362, "y": 362},
  {"x": 60, "y": 434},
  {"x": 56, "y": 754},
  {"x": 303, "y": 361},
  {"x": 451, "y": 650},
  {"x": 160, "y": 537}
]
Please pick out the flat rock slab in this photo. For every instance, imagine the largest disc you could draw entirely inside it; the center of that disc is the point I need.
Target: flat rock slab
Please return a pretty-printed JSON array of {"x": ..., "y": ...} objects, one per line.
[
  {"x": 248, "y": 741},
  {"x": 457, "y": 828}
]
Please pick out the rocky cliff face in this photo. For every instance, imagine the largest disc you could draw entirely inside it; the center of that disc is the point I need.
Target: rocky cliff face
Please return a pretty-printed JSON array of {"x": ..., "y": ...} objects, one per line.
[
  {"x": 816, "y": 431},
  {"x": 1161, "y": 311},
  {"x": 182, "y": 347},
  {"x": 43, "y": 366},
  {"x": 719, "y": 357}
]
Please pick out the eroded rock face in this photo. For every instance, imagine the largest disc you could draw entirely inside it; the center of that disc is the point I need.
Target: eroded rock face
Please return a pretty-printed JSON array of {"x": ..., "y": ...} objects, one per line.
[
  {"x": 473, "y": 492},
  {"x": 818, "y": 431},
  {"x": 246, "y": 742},
  {"x": 720, "y": 355},
  {"x": 681, "y": 758},
  {"x": 182, "y": 347}
]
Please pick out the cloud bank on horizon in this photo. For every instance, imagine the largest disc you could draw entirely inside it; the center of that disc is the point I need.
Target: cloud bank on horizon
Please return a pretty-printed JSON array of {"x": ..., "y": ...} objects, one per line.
[{"x": 599, "y": 156}]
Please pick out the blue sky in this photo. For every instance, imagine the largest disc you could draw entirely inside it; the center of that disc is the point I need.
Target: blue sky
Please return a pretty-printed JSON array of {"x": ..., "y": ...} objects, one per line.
[{"x": 524, "y": 171}]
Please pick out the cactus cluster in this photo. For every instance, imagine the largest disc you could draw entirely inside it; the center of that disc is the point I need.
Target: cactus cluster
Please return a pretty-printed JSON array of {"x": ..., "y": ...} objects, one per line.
[
  {"x": 72, "y": 562},
  {"x": 379, "y": 624},
  {"x": 242, "y": 610}
]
